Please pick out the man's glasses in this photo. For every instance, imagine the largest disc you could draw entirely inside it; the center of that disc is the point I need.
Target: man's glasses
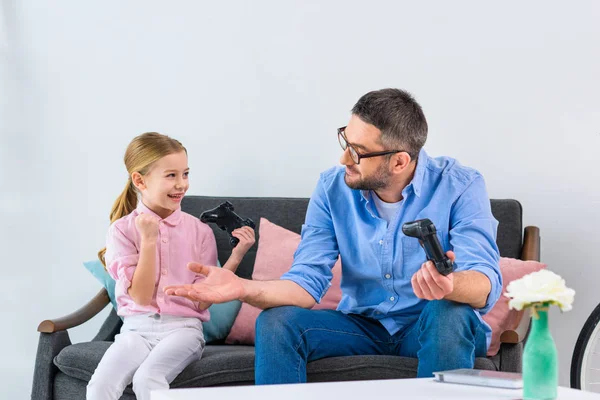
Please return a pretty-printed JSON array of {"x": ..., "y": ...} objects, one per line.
[{"x": 356, "y": 156}]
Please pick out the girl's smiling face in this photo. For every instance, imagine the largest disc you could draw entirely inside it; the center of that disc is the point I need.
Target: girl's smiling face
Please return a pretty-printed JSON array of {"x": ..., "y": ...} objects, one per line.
[{"x": 165, "y": 184}]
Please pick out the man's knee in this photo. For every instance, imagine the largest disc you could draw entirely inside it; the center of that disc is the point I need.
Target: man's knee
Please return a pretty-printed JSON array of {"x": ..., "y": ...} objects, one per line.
[
  {"x": 447, "y": 313},
  {"x": 280, "y": 322}
]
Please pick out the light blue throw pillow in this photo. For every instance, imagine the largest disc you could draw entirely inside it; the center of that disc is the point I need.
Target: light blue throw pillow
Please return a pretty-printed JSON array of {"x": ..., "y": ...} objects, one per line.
[
  {"x": 222, "y": 315},
  {"x": 97, "y": 269}
]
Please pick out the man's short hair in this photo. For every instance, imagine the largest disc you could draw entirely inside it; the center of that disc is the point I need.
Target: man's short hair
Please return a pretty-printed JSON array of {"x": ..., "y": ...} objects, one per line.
[{"x": 398, "y": 116}]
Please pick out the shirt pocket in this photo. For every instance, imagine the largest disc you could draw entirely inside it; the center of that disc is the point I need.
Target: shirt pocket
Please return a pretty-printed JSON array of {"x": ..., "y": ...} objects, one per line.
[{"x": 413, "y": 255}]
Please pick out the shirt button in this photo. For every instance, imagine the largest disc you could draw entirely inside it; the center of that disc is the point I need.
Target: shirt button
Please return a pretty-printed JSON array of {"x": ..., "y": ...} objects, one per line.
[
  {"x": 164, "y": 272},
  {"x": 164, "y": 240},
  {"x": 387, "y": 276},
  {"x": 381, "y": 242},
  {"x": 392, "y": 298}
]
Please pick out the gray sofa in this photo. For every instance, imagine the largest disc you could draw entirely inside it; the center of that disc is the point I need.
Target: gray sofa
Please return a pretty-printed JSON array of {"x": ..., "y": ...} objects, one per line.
[{"x": 62, "y": 369}]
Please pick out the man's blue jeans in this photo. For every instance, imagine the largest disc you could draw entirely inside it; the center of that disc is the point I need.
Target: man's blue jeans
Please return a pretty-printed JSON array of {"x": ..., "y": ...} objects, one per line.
[{"x": 447, "y": 335}]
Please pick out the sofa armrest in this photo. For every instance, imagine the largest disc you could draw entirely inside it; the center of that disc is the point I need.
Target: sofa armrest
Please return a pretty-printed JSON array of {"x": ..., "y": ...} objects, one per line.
[
  {"x": 49, "y": 345},
  {"x": 530, "y": 251},
  {"x": 531, "y": 244},
  {"x": 78, "y": 317},
  {"x": 511, "y": 357},
  {"x": 518, "y": 333}
]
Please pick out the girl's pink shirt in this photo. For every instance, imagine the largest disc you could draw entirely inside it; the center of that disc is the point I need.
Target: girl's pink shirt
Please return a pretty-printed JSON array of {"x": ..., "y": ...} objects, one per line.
[{"x": 182, "y": 238}]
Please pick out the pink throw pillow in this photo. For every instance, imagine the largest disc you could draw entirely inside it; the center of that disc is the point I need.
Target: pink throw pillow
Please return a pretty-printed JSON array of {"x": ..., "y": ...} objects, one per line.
[
  {"x": 500, "y": 318},
  {"x": 274, "y": 257}
]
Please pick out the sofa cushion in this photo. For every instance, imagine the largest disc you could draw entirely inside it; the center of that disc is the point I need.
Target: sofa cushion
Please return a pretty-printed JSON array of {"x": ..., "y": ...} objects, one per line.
[
  {"x": 500, "y": 318},
  {"x": 219, "y": 364},
  {"x": 96, "y": 268},
  {"x": 275, "y": 255},
  {"x": 375, "y": 367},
  {"x": 229, "y": 364}
]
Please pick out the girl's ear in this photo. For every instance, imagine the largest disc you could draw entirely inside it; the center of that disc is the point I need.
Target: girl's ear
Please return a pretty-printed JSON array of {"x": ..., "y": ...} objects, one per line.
[{"x": 138, "y": 181}]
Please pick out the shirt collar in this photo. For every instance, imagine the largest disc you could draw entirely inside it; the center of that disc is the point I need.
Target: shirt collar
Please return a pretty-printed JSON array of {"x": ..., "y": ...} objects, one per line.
[
  {"x": 365, "y": 195},
  {"x": 174, "y": 219},
  {"x": 417, "y": 180}
]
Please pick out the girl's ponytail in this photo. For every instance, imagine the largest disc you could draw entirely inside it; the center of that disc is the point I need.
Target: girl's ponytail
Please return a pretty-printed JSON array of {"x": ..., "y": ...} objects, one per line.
[{"x": 124, "y": 205}]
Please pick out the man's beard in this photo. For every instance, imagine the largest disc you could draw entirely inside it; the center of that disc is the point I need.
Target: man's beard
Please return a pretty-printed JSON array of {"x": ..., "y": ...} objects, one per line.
[{"x": 379, "y": 180}]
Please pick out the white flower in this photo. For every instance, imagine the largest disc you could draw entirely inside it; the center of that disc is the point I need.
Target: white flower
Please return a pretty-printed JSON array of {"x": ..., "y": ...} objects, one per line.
[{"x": 538, "y": 287}]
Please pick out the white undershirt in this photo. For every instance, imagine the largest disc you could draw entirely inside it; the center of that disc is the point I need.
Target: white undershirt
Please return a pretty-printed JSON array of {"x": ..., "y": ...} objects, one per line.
[{"x": 387, "y": 211}]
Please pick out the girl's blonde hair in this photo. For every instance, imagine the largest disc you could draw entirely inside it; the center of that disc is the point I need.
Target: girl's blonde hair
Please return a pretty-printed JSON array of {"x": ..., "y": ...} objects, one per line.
[{"x": 142, "y": 152}]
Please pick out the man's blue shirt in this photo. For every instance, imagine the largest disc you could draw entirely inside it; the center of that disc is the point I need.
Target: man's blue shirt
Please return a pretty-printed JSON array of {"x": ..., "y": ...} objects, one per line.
[{"x": 378, "y": 260}]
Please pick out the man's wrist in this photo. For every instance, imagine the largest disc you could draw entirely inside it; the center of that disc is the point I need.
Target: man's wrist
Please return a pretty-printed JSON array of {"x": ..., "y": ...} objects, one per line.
[{"x": 248, "y": 290}]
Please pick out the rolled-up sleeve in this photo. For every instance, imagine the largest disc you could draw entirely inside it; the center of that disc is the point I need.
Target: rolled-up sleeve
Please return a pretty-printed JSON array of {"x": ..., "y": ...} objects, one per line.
[
  {"x": 318, "y": 250},
  {"x": 121, "y": 257},
  {"x": 473, "y": 233}
]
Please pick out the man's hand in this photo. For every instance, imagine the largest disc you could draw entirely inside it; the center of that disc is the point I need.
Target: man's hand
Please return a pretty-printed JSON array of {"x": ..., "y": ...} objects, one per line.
[
  {"x": 429, "y": 284},
  {"x": 220, "y": 286},
  {"x": 247, "y": 238}
]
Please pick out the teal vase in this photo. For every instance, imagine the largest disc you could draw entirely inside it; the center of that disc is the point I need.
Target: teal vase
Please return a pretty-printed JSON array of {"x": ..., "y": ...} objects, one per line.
[{"x": 540, "y": 358}]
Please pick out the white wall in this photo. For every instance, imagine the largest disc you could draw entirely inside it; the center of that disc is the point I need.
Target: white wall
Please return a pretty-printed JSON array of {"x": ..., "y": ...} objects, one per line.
[{"x": 255, "y": 90}]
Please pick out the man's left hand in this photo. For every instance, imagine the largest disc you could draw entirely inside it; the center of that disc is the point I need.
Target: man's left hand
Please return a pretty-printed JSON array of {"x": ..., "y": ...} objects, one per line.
[{"x": 429, "y": 284}]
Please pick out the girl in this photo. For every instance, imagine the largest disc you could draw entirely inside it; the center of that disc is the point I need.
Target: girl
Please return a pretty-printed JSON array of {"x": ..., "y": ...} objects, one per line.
[{"x": 148, "y": 245}]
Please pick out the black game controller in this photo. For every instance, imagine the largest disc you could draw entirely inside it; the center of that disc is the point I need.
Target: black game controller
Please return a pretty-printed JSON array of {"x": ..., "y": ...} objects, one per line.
[
  {"x": 224, "y": 217},
  {"x": 425, "y": 231}
]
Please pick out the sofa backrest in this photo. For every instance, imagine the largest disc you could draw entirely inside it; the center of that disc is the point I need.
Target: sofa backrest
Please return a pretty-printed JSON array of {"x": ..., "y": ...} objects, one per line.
[
  {"x": 509, "y": 214},
  {"x": 286, "y": 212},
  {"x": 289, "y": 213}
]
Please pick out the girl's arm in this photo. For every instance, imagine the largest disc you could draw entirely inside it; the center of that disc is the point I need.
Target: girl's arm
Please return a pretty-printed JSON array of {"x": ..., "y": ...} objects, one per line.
[
  {"x": 247, "y": 239},
  {"x": 246, "y": 236},
  {"x": 143, "y": 282}
]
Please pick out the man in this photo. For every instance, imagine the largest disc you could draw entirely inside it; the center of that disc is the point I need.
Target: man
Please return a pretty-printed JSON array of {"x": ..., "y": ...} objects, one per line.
[{"x": 393, "y": 302}]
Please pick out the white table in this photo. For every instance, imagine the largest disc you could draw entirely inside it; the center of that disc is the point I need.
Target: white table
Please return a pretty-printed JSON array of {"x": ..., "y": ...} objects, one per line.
[{"x": 424, "y": 388}]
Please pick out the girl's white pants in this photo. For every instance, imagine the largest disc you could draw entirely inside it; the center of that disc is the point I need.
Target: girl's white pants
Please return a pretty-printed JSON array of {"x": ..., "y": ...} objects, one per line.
[{"x": 150, "y": 351}]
